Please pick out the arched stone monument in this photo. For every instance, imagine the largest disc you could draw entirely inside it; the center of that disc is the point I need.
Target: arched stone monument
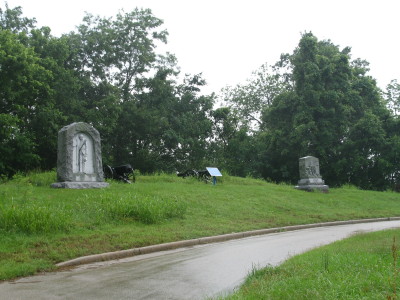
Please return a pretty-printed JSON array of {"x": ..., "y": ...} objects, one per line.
[
  {"x": 310, "y": 178},
  {"x": 79, "y": 164}
]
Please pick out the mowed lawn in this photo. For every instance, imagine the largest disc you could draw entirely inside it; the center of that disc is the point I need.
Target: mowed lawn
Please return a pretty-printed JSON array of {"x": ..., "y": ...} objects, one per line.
[{"x": 41, "y": 226}]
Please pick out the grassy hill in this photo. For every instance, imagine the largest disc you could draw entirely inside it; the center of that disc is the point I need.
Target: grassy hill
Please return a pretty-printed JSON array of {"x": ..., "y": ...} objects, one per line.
[{"x": 41, "y": 226}]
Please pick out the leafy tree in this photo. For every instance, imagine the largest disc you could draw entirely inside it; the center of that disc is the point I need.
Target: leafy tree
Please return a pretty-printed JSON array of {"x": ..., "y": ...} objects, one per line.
[
  {"x": 250, "y": 99},
  {"x": 335, "y": 113},
  {"x": 24, "y": 96},
  {"x": 226, "y": 124},
  {"x": 391, "y": 153},
  {"x": 119, "y": 51},
  {"x": 17, "y": 149},
  {"x": 110, "y": 59},
  {"x": 235, "y": 148},
  {"x": 392, "y": 97},
  {"x": 12, "y": 20},
  {"x": 167, "y": 127},
  {"x": 107, "y": 74},
  {"x": 192, "y": 122}
]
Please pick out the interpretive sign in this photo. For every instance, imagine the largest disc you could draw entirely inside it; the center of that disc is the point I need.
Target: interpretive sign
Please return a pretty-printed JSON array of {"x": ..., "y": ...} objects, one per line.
[{"x": 214, "y": 171}]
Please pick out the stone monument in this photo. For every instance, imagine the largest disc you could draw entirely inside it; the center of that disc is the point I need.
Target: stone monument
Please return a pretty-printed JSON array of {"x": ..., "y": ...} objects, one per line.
[
  {"x": 79, "y": 164},
  {"x": 310, "y": 178}
]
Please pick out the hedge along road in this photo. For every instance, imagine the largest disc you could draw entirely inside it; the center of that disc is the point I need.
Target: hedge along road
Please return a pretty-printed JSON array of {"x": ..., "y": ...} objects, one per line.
[{"x": 195, "y": 272}]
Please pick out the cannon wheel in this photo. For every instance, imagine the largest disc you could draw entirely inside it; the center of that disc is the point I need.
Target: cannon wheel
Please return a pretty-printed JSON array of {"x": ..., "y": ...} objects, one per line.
[
  {"x": 204, "y": 176},
  {"x": 108, "y": 172},
  {"x": 129, "y": 177},
  {"x": 207, "y": 178}
]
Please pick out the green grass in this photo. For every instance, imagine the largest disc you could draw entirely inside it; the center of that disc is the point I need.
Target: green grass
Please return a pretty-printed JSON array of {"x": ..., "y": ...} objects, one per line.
[
  {"x": 362, "y": 267},
  {"x": 41, "y": 226}
]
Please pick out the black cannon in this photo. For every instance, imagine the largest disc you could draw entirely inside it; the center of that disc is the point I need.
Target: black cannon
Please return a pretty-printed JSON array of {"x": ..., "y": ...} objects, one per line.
[
  {"x": 122, "y": 173},
  {"x": 187, "y": 173},
  {"x": 202, "y": 175}
]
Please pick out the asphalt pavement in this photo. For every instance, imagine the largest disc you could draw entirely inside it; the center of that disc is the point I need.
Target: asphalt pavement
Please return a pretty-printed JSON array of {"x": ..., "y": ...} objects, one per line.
[{"x": 194, "y": 272}]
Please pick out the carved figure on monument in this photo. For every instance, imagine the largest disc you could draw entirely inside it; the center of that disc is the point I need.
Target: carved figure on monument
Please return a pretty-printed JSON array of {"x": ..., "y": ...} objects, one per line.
[
  {"x": 310, "y": 178},
  {"x": 312, "y": 171},
  {"x": 79, "y": 162},
  {"x": 81, "y": 152}
]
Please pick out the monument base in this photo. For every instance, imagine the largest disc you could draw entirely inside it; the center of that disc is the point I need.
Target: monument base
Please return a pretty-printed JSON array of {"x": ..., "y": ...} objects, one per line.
[
  {"x": 312, "y": 187},
  {"x": 79, "y": 185}
]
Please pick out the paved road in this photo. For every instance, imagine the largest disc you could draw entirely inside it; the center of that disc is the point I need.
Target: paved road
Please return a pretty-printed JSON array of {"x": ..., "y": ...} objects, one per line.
[{"x": 190, "y": 273}]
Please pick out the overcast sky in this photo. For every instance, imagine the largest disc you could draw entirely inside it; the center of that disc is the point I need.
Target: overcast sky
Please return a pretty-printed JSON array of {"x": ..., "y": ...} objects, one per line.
[{"x": 228, "y": 39}]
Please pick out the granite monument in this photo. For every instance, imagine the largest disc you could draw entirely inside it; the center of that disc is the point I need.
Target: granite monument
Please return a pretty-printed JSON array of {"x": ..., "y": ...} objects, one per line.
[
  {"x": 310, "y": 178},
  {"x": 79, "y": 164}
]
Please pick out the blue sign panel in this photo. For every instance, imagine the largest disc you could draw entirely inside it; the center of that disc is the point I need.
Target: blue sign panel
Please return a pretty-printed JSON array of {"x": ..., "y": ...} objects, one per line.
[{"x": 214, "y": 171}]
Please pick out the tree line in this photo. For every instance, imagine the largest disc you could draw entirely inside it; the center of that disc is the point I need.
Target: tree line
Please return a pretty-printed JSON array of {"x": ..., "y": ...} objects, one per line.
[{"x": 108, "y": 72}]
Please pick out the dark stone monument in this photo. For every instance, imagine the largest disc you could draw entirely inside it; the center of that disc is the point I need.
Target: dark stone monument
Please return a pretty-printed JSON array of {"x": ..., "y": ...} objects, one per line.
[
  {"x": 79, "y": 164},
  {"x": 310, "y": 178}
]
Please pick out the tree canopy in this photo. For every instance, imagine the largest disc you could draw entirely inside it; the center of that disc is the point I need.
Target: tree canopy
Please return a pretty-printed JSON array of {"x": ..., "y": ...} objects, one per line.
[
  {"x": 315, "y": 101},
  {"x": 334, "y": 112}
]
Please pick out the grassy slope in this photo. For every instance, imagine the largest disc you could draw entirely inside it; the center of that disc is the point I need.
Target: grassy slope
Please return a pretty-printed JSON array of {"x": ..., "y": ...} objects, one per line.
[
  {"x": 361, "y": 267},
  {"x": 83, "y": 223}
]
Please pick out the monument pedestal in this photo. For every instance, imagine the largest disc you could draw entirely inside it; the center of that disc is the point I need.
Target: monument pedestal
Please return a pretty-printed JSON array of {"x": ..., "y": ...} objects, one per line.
[
  {"x": 79, "y": 185},
  {"x": 312, "y": 184}
]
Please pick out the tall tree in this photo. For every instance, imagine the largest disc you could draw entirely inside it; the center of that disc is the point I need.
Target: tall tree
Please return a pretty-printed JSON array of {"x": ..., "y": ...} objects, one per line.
[
  {"x": 392, "y": 97},
  {"x": 24, "y": 101},
  {"x": 250, "y": 99},
  {"x": 335, "y": 113},
  {"x": 11, "y": 19},
  {"x": 108, "y": 74},
  {"x": 119, "y": 50},
  {"x": 235, "y": 148},
  {"x": 167, "y": 127}
]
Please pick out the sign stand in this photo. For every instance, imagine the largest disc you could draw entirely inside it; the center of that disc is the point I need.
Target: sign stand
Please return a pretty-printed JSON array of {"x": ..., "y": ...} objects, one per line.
[{"x": 214, "y": 172}]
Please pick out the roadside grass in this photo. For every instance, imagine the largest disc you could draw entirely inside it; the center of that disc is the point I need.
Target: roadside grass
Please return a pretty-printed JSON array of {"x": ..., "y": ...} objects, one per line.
[
  {"x": 364, "y": 266},
  {"x": 41, "y": 226}
]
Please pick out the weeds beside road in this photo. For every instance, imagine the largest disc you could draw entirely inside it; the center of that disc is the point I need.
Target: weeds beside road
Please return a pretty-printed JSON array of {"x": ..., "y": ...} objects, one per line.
[
  {"x": 364, "y": 266},
  {"x": 41, "y": 226}
]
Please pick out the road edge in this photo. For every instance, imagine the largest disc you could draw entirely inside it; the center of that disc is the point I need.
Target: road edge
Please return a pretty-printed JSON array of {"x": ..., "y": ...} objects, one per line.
[{"x": 205, "y": 240}]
